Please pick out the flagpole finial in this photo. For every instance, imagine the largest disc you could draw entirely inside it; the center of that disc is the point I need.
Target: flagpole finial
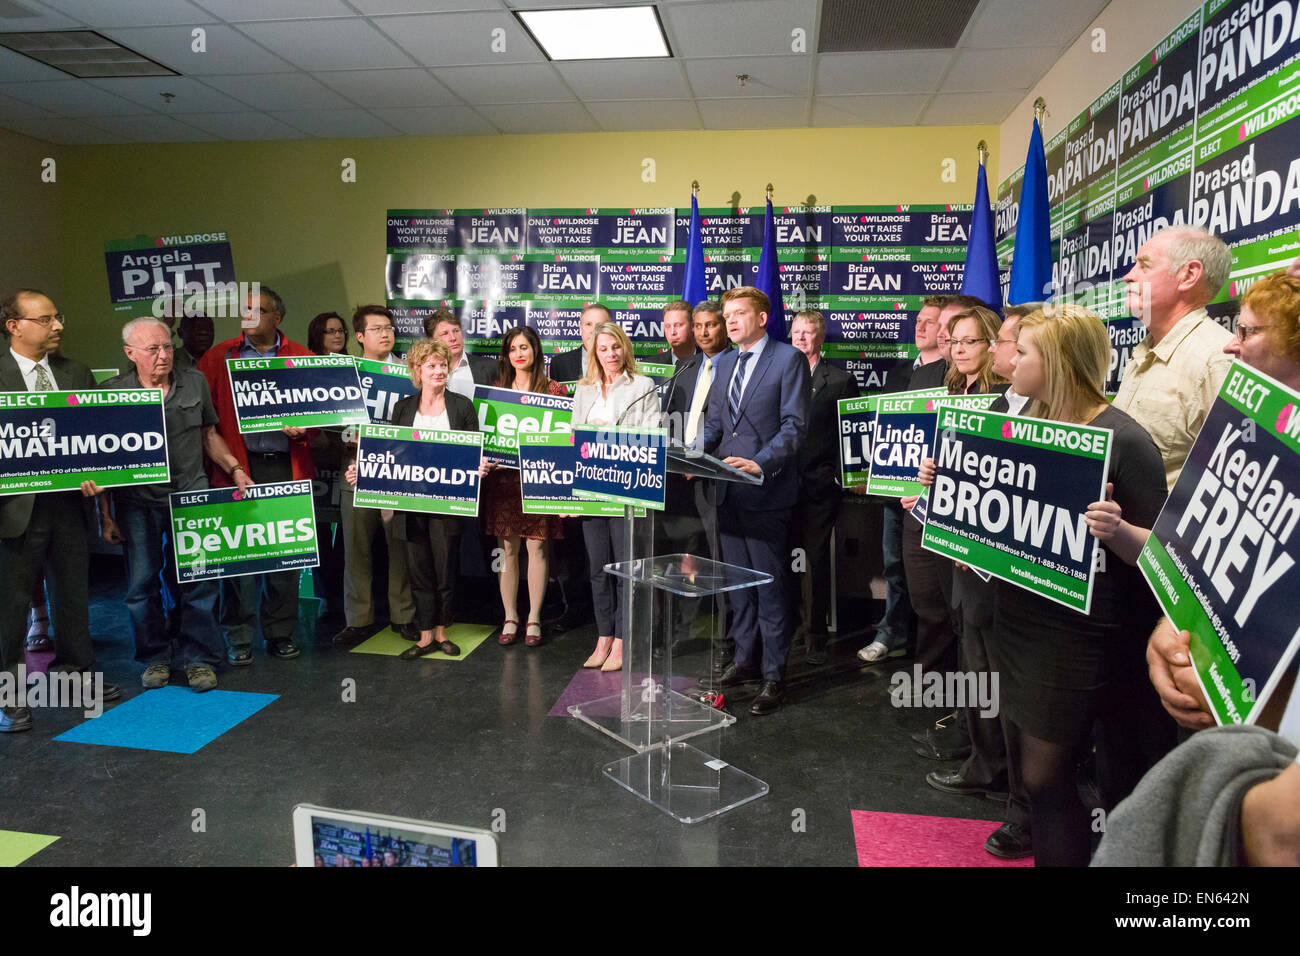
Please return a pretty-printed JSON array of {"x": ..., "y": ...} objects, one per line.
[
  {"x": 1040, "y": 110},
  {"x": 769, "y": 190},
  {"x": 983, "y": 149},
  {"x": 695, "y": 187}
]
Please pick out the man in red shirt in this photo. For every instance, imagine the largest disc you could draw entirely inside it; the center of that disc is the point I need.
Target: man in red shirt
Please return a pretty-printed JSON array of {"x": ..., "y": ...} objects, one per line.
[{"x": 265, "y": 457}]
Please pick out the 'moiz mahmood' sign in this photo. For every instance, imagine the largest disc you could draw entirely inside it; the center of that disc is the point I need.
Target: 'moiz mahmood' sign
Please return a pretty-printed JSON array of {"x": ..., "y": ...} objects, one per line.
[
  {"x": 223, "y": 533},
  {"x": 1009, "y": 498},
  {"x": 53, "y": 441},
  {"x": 301, "y": 391},
  {"x": 1222, "y": 557}
]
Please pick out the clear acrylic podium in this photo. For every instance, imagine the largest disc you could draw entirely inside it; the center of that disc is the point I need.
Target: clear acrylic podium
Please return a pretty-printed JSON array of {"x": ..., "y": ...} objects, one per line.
[{"x": 671, "y": 600}]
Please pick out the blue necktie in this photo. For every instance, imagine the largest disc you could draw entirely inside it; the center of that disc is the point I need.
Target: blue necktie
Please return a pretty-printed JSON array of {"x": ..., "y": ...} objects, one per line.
[{"x": 738, "y": 385}]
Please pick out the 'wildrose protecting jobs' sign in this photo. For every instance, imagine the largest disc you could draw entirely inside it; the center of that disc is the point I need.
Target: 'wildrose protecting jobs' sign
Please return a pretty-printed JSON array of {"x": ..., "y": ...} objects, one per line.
[
  {"x": 223, "y": 533},
  {"x": 1222, "y": 556},
  {"x": 53, "y": 441},
  {"x": 418, "y": 469},
  {"x": 301, "y": 391},
  {"x": 1009, "y": 497}
]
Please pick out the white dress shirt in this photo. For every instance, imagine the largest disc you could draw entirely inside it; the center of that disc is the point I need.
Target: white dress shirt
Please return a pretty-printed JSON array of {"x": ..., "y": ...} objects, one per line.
[{"x": 28, "y": 368}]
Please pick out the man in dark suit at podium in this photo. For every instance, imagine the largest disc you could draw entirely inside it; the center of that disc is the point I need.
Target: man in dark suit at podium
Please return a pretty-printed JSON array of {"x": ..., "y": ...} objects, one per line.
[
  {"x": 819, "y": 478},
  {"x": 757, "y": 416}
]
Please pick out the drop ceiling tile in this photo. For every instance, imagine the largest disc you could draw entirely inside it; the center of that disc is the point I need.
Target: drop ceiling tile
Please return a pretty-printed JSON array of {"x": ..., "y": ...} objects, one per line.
[
  {"x": 43, "y": 18},
  {"x": 625, "y": 79},
  {"x": 999, "y": 23},
  {"x": 519, "y": 83},
  {"x": 190, "y": 96},
  {"x": 740, "y": 28},
  {"x": 888, "y": 109},
  {"x": 225, "y": 50},
  {"x": 279, "y": 91},
  {"x": 985, "y": 70},
  {"x": 958, "y": 109},
  {"x": 71, "y": 98},
  {"x": 136, "y": 13},
  {"x": 540, "y": 118},
  {"x": 337, "y": 124},
  {"x": 65, "y": 132},
  {"x": 754, "y": 113},
  {"x": 380, "y": 7},
  {"x": 768, "y": 76},
  {"x": 328, "y": 44},
  {"x": 247, "y": 125},
  {"x": 11, "y": 108},
  {"x": 388, "y": 88},
  {"x": 153, "y": 129},
  {"x": 462, "y": 39},
  {"x": 238, "y": 10},
  {"x": 436, "y": 121},
  {"x": 892, "y": 71},
  {"x": 645, "y": 114}
]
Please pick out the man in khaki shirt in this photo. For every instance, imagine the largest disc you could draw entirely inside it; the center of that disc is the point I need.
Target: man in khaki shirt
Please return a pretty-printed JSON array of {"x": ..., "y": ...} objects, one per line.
[{"x": 1175, "y": 373}]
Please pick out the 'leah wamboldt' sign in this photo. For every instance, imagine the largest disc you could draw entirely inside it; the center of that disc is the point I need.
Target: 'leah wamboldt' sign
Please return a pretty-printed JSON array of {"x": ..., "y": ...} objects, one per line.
[
  {"x": 301, "y": 391},
  {"x": 504, "y": 414},
  {"x": 53, "y": 441},
  {"x": 418, "y": 469},
  {"x": 1009, "y": 497},
  {"x": 1222, "y": 557},
  {"x": 223, "y": 533}
]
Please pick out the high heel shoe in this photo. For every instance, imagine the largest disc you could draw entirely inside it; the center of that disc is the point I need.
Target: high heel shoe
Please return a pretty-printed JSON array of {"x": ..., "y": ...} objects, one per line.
[
  {"x": 510, "y": 637},
  {"x": 603, "y": 645},
  {"x": 614, "y": 662},
  {"x": 531, "y": 639}
]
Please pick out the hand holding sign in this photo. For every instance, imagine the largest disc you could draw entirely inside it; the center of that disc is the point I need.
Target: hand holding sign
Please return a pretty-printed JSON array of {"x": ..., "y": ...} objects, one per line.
[
  {"x": 926, "y": 473},
  {"x": 1169, "y": 665}
]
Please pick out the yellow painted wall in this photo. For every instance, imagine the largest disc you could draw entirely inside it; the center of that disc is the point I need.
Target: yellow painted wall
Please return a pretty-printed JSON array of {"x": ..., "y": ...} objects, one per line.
[
  {"x": 296, "y": 226},
  {"x": 29, "y": 240}
]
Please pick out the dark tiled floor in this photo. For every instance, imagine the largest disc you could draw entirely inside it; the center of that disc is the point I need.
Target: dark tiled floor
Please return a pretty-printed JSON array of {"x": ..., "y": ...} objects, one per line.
[{"x": 455, "y": 742}]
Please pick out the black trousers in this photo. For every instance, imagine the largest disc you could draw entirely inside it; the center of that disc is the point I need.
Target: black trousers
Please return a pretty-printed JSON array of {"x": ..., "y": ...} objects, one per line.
[
  {"x": 433, "y": 564},
  {"x": 55, "y": 540},
  {"x": 811, "y": 527},
  {"x": 936, "y": 639}
]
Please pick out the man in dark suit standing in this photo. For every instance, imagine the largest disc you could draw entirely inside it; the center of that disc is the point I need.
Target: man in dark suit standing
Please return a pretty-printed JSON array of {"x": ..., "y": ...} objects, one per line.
[
  {"x": 52, "y": 527},
  {"x": 681, "y": 345},
  {"x": 572, "y": 365},
  {"x": 819, "y": 478},
  {"x": 757, "y": 417},
  {"x": 467, "y": 370}
]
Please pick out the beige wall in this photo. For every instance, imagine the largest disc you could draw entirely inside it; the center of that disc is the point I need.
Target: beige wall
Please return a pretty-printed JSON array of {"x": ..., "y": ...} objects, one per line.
[
  {"x": 319, "y": 241},
  {"x": 1132, "y": 27}
]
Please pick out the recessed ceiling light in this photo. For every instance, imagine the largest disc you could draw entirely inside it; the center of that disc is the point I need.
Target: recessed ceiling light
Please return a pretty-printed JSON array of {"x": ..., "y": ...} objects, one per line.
[
  {"x": 83, "y": 53},
  {"x": 604, "y": 33}
]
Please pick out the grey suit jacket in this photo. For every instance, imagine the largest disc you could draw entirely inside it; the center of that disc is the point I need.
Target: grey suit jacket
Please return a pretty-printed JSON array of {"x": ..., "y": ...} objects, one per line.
[{"x": 16, "y": 510}]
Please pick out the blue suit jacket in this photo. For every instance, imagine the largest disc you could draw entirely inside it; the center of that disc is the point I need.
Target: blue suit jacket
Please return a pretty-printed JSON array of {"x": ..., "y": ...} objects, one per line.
[{"x": 769, "y": 426}]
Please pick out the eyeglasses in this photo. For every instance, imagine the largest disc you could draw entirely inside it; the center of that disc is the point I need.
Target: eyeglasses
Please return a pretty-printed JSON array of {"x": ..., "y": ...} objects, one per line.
[
  {"x": 968, "y": 343},
  {"x": 153, "y": 350},
  {"x": 1244, "y": 332},
  {"x": 44, "y": 320},
  {"x": 1004, "y": 341},
  {"x": 339, "y": 331},
  {"x": 379, "y": 328}
]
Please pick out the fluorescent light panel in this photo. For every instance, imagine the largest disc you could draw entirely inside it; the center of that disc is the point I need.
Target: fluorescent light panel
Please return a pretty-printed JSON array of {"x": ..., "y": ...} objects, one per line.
[
  {"x": 83, "y": 53},
  {"x": 604, "y": 33}
]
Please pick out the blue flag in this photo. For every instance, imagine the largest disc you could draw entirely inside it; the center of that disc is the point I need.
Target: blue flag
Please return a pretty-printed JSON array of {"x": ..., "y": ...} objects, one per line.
[
  {"x": 694, "y": 289},
  {"x": 981, "y": 278},
  {"x": 769, "y": 279},
  {"x": 1031, "y": 262}
]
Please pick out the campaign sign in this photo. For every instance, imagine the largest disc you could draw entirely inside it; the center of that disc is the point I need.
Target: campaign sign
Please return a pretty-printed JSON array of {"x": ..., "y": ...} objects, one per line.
[
  {"x": 223, "y": 533},
  {"x": 1222, "y": 558},
  {"x": 903, "y": 435},
  {"x": 857, "y": 419},
  {"x": 303, "y": 391},
  {"x": 1009, "y": 498},
  {"x": 504, "y": 414},
  {"x": 170, "y": 266},
  {"x": 546, "y": 465},
  {"x": 53, "y": 441},
  {"x": 383, "y": 385},
  {"x": 418, "y": 469},
  {"x": 921, "y": 512},
  {"x": 624, "y": 465}
]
